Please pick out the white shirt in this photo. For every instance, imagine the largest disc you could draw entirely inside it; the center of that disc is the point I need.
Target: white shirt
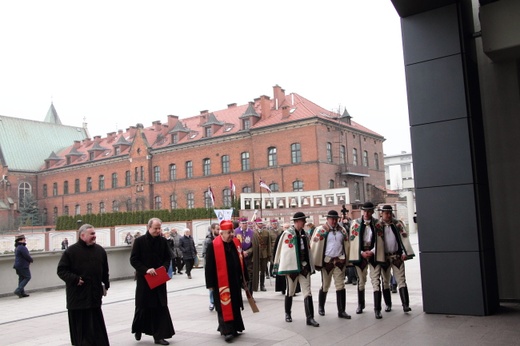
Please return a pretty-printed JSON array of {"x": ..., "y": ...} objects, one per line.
[
  {"x": 390, "y": 241},
  {"x": 334, "y": 244}
]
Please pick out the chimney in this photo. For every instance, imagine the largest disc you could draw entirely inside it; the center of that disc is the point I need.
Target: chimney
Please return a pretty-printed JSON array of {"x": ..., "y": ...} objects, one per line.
[
  {"x": 97, "y": 139},
  {"x": 120, "y": 131},
  {"x": 279, "y": 96},
  {"x": 172, "y": 121},
  {"x": 77, "y": 144},
  {"x": 132, "y": 130},
  {"x": 157, "y": 125},
  {"x": 265, "y": 106},
  {"x": 231, "y": 105},
  {"x": 86, "y": 142},
  {"x": 111, "y": 136},
  {"x": 285, "y": 111},
  {"x": 203, "y": 117}
]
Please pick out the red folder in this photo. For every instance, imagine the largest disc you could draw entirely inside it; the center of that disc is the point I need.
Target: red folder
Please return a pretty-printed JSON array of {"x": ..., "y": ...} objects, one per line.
[{"x": 159, "y": 279}]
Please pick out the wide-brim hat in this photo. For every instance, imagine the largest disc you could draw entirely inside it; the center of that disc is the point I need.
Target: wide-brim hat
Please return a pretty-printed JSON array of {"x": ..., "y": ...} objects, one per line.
[
  {"x": 19, "y": 237},
  {"x": 386, "y": 207},
  {"x": 368, "y": 206},
  {"x": 299, "y": 216},
  {"x": 333, "y": 214}
]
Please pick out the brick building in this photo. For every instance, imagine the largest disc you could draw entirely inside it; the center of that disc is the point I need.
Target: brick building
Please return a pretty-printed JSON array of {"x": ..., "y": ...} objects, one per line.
[{"x": 287, "y": 141}]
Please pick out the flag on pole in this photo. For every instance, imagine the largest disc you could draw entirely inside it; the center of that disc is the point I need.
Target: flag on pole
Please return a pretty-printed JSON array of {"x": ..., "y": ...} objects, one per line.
[
  {"x": 264, "y": 185},
  {"x": 233, "y": 189},
  {"x": 211, "y": 195}
]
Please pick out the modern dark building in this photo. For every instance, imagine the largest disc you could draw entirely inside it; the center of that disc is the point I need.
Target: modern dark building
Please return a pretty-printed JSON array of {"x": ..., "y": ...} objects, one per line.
[{"x": 462, "y": 62}]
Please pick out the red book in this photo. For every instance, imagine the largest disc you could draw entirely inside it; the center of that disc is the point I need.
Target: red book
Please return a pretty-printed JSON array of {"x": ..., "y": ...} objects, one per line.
[{"x": 159, "y": 279}]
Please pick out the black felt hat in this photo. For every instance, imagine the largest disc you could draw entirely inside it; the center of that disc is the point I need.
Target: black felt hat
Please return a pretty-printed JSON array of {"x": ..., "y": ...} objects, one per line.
[
  {"x": 299, "y": 216},
  {"x": 368, "y": 206}
]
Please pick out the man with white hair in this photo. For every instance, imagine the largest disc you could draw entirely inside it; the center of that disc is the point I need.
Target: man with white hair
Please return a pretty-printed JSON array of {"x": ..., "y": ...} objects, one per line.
[
  {"x": 189, "y": 252},
  {"x": 84, "y": 268}
]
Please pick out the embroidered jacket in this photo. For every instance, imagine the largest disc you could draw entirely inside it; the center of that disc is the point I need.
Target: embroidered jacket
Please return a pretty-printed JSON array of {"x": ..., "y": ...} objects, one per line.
[
  {"x": 287, "y": 259},
  {"x": 402, "y": 236},
  {"x": 319, "y": 244},
  {"x": 357, "y": 231}
]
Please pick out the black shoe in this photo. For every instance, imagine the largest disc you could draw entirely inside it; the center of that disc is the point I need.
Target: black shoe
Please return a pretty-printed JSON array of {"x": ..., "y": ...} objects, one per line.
[
  {"x": 228, "y": 337},
  {"x": 18, "y": 294},
  {"x": 179, "y": 272},
  {"x": 161, "y": 342},
  {"x": 138, "y": 336},
  {"x": 189, "y": 276},
  {"x": 262, "y": 288},
  {"x": 394, "y": 288},
  {"x": 23, "y": 295}
]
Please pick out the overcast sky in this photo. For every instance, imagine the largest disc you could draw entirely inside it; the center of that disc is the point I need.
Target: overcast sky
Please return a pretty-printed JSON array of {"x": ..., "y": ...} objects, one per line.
[{"x": 119, "y": 63}]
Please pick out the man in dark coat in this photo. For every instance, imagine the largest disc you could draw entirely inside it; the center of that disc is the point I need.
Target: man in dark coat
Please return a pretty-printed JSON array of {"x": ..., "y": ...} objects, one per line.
[
  {"x": 152, "y": 316},
  {"x": 22, "y": 261},
  {"x": 189, "y": 252},
  {"x": 84, "y": 268},
  {"x": 225, "y": 275}
]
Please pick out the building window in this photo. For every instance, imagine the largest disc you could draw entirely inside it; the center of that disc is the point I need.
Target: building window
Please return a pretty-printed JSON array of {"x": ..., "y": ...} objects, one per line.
[
  {"x": 274, "y": 187},
  {"x": 331, "y": 184},
  {"x": 76, "y": 186},
  {"x": 246, "y": 124},
  {"x": 173, "y": 201},
  {"x": 297, "y": 185},
  {"x": 365, "y": 158},
  {"x": 102, "y": 207},
  {"x": 342, "y": 155},
  {"x": 206, "y": 167},
  {"x": 157, "y": 174},
  {"x": 128, "y": 204},
  {"x": 44, "y": 191},
  {"x": 139, "y": 203},
  {"x": 66, "y": 210},
  {"x": 91, "y": 156},
  {"x": 55, "y": 189},
  {"x": 354, "y": 157},
  {"x": 175, "y": 138},
  {"x": 89, "y": 184},
  {"x": 101, "y": 182},
  {"x": 226, "y": 197},
  {"x": 190, "y": 200},
  {"x": 141, "y": 171},
  {"x": 225, "y": 164},
  {"x": 89, "y": 208},
  {"x": 357, "y": 192},
  {"x": 65, "y": 187},
  {"x": 114, "y": 180},
  {"x": 158, "y": 202},
  {"x": 77, "y": 209},
  {"x": 136, "y": 174},
  {"x": 115, "y": 206},
  {"x": 244, "y": 158},
  {"x": 376, "y": 161},
  {"x": 128, "y": 178},
  {"x": 24, "y": 189},
  {"x": 272, "y": 159},
  {"x": 189, "y": 169},
  {"x": 207, "y": 131},
  {"x": 55, "y": 214},
  {"x": 247, "y": 189},
  {"x": 296, "y": 153},
  {"x": 117, "y": 150},
  {"x": 207, "y": 200},
  {"x": 329, "y": 152},
  {"x": 173, "y": 171}
]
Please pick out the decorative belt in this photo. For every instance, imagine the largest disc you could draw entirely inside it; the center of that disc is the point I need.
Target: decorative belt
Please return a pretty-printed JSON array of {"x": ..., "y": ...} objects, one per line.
[
  {"x": 392, "y": 253},
  {"x": 365, "y": 248}
]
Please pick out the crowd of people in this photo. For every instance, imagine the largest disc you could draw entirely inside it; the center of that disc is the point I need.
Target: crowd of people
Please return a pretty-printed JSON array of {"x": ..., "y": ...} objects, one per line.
[{"x": 237, "y": 256}]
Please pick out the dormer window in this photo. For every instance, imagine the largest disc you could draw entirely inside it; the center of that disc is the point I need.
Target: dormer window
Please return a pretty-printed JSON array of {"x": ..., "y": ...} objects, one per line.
[
  {"x": 246, "y": 124},
  {"x": 207, "y": 131},
  {"x": 117, "y": 150},
  {"x": 175, "y": 138},
  {"x": 91, "y": 156}
]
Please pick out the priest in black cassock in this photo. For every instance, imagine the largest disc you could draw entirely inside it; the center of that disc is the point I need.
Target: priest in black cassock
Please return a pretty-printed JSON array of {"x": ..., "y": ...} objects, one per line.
[{"x": 152, "y": 316}]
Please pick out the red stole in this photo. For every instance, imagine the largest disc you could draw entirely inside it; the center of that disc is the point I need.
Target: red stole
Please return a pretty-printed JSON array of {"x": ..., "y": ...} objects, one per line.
[{"x": 222, "y": 276}]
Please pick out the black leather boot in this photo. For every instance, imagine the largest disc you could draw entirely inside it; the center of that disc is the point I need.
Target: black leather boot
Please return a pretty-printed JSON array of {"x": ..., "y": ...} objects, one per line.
[
  {"x": 341, "y": 300},
  {"x": 387, "y": 296},
  {"x": 360, "y": 301},
  {"x": 377, "y": 304},
  {"x": 288, "y": 306},
  {"x": 262, "y": 283},
  {"x": 309, "y": 312},
  {"x": 322, "y": 297},
  {"x": 405, "y": 299}
]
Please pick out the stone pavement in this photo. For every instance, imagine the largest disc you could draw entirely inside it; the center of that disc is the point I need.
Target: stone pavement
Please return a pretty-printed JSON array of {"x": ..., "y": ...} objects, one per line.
[{"x": 41, "y": 319}]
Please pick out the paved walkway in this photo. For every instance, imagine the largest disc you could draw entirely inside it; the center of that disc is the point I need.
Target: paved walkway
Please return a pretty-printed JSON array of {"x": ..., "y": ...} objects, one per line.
[{"x": 41, "y": 319}]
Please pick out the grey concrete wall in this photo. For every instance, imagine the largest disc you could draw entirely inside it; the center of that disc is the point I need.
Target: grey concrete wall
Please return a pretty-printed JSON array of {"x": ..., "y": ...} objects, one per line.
[{"x": 43, "y": 270}]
